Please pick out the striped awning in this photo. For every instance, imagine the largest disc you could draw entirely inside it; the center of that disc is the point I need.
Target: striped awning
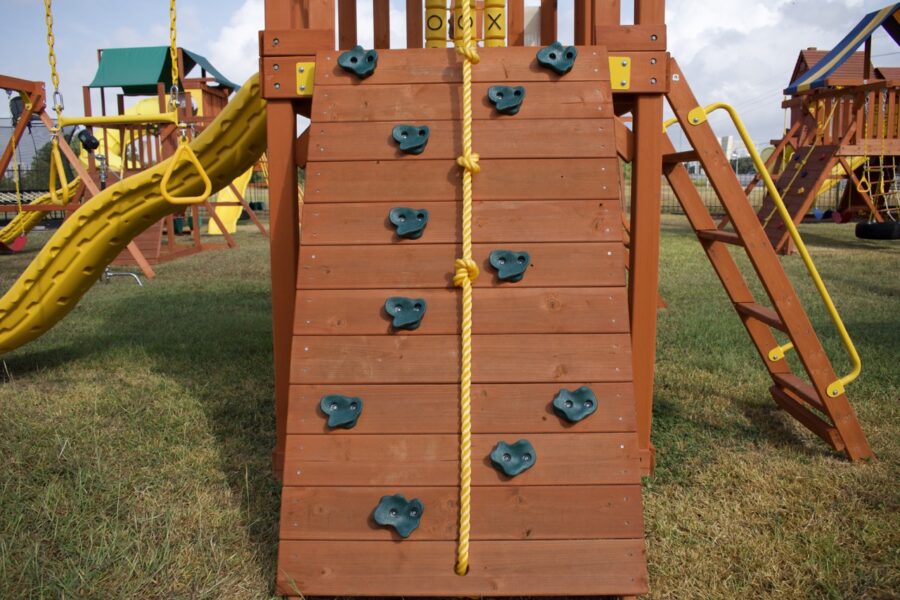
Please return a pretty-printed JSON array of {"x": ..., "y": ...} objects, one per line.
[{"x": 889, "y": 17}]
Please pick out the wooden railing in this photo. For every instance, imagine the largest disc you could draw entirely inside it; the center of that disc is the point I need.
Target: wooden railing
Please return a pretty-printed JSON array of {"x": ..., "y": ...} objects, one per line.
[{"x": 594, "y": 21}]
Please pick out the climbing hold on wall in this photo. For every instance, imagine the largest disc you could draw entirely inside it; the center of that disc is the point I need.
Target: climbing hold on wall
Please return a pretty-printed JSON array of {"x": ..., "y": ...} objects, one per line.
[
  {"x": 557, "y": 57},
  {"x": 342, "y": 411},
  {"x": 508, "y": 100},
  {"x": 410, "y": 223},
  {"x": 395, "y": 511},
  {"x": 512, "y": 459},
  {"x": 359, "y": 61},
  {"x": 803, "y": 173},
  {"x": 412, "y": 138},
  {"x": 573, "y": 406},
  {"x": 510, "y": 265},
  {"x": 406, "y": 313}
]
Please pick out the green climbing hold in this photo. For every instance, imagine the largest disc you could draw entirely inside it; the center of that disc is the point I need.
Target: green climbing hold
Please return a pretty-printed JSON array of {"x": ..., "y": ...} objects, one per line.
[
  {"x": 507, "y": 100},
  {"x": 395, "y": 511},
  {"x": 575, "y": 405},
  {"x": 557, "y": 57},
  {"x": 359, "y": 61},
  {"x": 342, "y": 411},
  {"x": 510, "y": 265},
  {"x": 512, "y": 459},
  {"x": 410, "y": 223},
  {"x": 406, "y": 313},
  {"x": 412, "y": 138}
]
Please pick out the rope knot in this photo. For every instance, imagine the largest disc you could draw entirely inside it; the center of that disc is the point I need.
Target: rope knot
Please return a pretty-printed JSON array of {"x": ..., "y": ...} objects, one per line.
[
  {"x": 469, "y": 162},
  {"x": 470, "y": 52},
  {"x": 465, "y": 269}
]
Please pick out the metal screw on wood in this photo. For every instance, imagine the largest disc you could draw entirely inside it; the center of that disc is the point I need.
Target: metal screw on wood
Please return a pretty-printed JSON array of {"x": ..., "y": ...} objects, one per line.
[
  {"x": 275, "y": 42},
  {"x": 624, "y": 63},
  {"x": 276, "y": 66},
  {"x": 302, "y": 70},
  {"x": 277, "y": 86},
  {"x": 623, "y": 83}
]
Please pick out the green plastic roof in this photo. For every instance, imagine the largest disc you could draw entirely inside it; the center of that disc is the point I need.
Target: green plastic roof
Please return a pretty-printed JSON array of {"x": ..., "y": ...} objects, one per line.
[{"x": 139, "y": 70}]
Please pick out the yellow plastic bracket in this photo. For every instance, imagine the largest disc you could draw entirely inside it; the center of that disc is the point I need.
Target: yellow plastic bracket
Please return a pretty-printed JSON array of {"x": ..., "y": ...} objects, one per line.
[
  {"x": 184, "y": 152},
  {"x": 620, "y": 72},
  {"x": 836, "y": 388},
  {"x": 58, "y": 196},
  {"x": 306, "y": 77},
  {"x": 777, "y": 353}
]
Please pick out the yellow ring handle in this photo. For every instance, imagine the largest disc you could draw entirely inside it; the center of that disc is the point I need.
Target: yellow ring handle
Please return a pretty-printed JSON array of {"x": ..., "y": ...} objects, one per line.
[
  {"x": 58, "y": 172},
  {"x": 186, "y": 153}
]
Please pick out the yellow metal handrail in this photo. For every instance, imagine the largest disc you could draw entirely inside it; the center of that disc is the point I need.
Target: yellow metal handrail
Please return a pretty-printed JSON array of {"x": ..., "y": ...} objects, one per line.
[
  {"x": 114, "y": 120},
  {"x": 836, "y": 388}
]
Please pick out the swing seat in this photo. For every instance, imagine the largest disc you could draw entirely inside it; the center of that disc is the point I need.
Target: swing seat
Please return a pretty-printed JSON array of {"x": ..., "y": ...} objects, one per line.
[{"x": 16, "y": 246}]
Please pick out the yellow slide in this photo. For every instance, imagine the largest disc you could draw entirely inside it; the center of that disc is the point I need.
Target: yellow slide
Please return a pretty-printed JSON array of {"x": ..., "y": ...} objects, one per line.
[
  {"x": 74, "y": 258},
  {"x": 25, "y": 221},
  {"x": 230, "y": 214}
]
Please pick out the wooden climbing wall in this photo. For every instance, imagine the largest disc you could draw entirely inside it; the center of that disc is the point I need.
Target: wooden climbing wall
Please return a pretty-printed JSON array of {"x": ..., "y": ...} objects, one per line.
[
  {"x": 572, "y": 524},
  {"x": 799, "y": 184}
]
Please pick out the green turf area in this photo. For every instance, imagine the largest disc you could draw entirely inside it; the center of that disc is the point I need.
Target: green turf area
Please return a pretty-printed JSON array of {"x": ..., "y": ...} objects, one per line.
[{"x": 135, "y": 438}]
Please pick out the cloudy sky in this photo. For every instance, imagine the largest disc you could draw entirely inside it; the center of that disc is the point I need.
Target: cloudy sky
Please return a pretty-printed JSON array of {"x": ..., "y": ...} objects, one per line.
[{"x": 731, "y": 50}]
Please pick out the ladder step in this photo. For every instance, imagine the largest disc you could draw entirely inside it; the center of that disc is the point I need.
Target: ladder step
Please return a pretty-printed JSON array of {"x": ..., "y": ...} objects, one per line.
[
  {"x": 812, "y": 422},
  {"x": 761, "y": 313},
  {"x": 720, "y": 235},
  {"x": 800, "y": 388},
  {"x": 680, "y": 157}
]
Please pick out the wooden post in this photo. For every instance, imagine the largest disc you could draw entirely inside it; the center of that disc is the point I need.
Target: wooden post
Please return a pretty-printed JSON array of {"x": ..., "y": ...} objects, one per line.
[
  {"x": 381, "y": 16},
  {"x": 583, "y": 22},
  {"x": 414, "y": 25},
  {"x": 346, "y": 24},
  {"x": 643, "y": 271},
  {"x": 548, "y": 22},
  {"x": 515, "y": 22},
  {"x": 284, "y": 232}
]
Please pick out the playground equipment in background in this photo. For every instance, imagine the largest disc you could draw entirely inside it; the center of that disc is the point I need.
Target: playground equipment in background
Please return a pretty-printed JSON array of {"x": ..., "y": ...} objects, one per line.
[
  {"x": 374, "y": 442},
  {"x": 844, "y": 125},
  {"x": 75, "y": 257}
]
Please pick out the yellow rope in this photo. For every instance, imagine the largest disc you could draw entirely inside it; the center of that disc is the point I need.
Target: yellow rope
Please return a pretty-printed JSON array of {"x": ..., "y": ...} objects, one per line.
[{"x": 465, "y": 273}]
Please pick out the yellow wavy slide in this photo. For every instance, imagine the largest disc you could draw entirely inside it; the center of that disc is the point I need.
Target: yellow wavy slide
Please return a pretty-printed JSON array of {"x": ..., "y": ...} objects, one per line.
[
  {"x": 74, "y": 258},
  {"x": 26, "y": 220}
]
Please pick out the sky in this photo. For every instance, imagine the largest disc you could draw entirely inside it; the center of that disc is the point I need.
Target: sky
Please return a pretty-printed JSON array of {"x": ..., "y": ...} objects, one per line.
[{"x": 734, "y": 51}]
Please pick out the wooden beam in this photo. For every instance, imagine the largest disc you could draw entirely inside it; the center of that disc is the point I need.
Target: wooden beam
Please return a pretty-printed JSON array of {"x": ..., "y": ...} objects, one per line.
[
  {"x": 284, "y": 234},
  {"x": 414, "y": 24},
  {"x": 381, "y": 16},
  {"x": 515, "y": 22},
  {"x": 548, "y": 22},
  {"x": 346, "y": 24}
]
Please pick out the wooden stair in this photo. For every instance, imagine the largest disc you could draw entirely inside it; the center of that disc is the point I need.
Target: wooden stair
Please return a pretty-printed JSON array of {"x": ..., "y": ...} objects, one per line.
[
  {"x": 549, "y": 185},
  {"x": 799, "y": 186},
  {"x": 831, "y": 418}
]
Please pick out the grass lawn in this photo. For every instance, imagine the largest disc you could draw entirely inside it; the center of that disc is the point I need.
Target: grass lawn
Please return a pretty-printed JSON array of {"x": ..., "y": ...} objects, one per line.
[{"x": 135, "y": 439}]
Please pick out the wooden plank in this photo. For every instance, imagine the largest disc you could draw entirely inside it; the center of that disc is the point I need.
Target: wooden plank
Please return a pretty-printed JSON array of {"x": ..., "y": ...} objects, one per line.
[
  {"x": 540, "y": 179},
  {"x": 381, "y": 17},
  {"x": 495, "y": 221},
  {"x": 434, "y": 65},
  {"x": 346, "y": 24},
  {"x": 291, "y": 42},
  {"x": 508, "y": 409},
  {"x": 433, "y": 460},
  {"x": 549, "y": 32},
  {"x": 523, "y": 310},
  {"x": 498, "y": 513},
  {"x": 536, "y": 138},
  {"x": 510, "y": 358},
  {"x": 431, "y": 265},
  {"x": 427, "y": 102},
  {"x": 515, "y": 22},
  {"x": 507, "y": 568},
  {"x": 631, "y": 38},
  {"x": 414, "y": 26}
]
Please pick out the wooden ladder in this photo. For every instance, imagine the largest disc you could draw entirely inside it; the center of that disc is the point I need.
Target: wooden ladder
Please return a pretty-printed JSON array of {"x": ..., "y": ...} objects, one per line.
[{"x": 831, "y": 418}]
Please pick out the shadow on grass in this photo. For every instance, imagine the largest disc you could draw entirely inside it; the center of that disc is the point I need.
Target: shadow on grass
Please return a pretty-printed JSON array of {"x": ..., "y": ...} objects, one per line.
[{"x": 217, "y": 345}]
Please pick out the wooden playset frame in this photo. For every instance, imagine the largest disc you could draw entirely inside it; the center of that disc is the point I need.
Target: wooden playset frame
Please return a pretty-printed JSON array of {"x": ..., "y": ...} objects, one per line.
[{"x": 297, "y": 66}]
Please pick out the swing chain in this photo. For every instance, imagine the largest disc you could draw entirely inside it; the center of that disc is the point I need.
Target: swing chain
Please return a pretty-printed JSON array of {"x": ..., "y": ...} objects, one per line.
[
  {"x": 173, "y": 55},
  {"x": 58, "y": 105}
]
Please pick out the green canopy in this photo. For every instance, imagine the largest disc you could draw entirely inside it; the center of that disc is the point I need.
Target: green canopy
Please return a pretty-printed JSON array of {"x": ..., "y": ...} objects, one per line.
[{"x": 139, "y": 70}]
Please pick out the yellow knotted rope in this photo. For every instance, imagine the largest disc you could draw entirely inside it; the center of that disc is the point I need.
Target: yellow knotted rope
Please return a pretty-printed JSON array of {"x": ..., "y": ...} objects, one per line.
[{"x": 465, "y": 273}]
